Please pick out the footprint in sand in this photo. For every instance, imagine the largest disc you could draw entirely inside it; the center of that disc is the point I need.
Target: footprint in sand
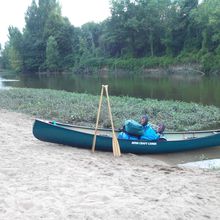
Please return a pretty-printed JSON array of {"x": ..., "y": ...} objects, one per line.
[{"x": 27, "y": 205}]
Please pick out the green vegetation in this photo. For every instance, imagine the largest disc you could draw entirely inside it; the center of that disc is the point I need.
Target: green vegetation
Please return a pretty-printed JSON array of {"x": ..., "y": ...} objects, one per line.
[
  {"x": 82, "y": 109},
  {"x": 139, "y": 33},
  {"x": 129, "y": 64}
]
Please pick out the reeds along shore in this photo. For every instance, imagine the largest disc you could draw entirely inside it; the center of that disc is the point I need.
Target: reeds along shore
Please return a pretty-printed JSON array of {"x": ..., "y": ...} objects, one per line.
[{"x": 81, "y": 109}]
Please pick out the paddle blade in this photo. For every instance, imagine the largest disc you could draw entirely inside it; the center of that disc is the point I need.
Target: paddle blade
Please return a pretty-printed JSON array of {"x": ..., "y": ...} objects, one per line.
[{"x": 116, "y": 147}]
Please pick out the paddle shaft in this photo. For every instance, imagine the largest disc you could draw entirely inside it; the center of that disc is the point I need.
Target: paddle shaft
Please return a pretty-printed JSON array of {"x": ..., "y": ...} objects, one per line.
[{"x": 97, "y": 120}]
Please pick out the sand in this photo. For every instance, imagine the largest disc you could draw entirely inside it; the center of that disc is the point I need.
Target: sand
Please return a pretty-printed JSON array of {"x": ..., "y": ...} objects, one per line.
[{"x": 41, "y": 180}]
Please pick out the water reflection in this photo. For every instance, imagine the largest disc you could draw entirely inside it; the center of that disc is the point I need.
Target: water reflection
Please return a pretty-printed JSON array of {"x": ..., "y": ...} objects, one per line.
[
  {"x": 3, "y": 82},
  {"x": 198, "y": 89}
]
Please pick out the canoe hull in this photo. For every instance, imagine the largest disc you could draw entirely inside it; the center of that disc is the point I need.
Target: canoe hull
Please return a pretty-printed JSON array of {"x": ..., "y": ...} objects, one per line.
[{"x": 67, "y": 135}]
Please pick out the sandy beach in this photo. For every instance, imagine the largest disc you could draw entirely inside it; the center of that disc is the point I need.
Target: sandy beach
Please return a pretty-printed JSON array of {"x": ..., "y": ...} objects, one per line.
[{"x": 41, "y": 180}]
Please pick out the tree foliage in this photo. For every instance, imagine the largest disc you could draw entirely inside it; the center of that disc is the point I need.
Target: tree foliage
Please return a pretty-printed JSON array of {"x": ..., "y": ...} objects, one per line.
[
  {"x": 52, "y": 55},
  {"x": 136, "y": 29}
]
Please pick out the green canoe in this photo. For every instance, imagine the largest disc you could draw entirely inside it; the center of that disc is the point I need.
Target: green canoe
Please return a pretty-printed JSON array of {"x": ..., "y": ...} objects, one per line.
[{"x": 82, "y": 137}]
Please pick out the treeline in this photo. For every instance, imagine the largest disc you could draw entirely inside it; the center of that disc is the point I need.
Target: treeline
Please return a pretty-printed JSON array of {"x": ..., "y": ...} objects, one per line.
[{"x": 138, "y": 33}]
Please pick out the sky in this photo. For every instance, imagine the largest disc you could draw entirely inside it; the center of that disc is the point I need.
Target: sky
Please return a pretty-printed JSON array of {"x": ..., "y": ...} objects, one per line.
[{"x": 12, "y": 12}]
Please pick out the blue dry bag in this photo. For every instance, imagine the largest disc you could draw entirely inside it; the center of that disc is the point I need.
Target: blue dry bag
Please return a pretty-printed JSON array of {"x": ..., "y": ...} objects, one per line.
[{"x": 134, "y": 128}]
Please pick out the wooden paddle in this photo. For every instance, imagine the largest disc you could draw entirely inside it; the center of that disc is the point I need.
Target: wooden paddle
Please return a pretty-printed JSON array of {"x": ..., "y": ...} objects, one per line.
[{"x": 115, "y": 144}]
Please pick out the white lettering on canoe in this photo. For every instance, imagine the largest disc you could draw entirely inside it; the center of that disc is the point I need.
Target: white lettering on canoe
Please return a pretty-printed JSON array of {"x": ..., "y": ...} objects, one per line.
[{"x": 144, "y": 143}]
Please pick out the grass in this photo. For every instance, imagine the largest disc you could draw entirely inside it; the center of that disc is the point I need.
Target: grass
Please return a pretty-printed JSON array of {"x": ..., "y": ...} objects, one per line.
[{"x": 82, "y": 109}]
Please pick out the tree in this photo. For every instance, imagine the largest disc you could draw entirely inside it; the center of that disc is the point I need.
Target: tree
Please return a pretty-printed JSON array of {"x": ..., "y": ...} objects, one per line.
[
  {"x": 33, "y": 44},
  {"x": 207, "y": 17},
  {"x": 138, "y": 26},
  {"x": 5, "y": 57},
  {"x": 90, "y": 34},
  {"x": 181, "y": 31},
  {"x": 64, "y": 34},
  {"x": 154, "y": 15},
  {"x": 34, "y": 33},
  {"x": 52, "y": 55},
  {"x": 1, "y": 64},
  {"x": 15, "y": 49}
]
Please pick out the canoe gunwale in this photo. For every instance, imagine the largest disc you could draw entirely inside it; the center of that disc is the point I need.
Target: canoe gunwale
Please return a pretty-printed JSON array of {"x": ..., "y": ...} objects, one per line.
[{"x": 117, "y": 130}]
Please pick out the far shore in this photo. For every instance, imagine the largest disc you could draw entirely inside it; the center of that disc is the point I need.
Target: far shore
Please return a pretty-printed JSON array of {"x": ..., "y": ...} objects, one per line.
[{"x": 194, "y": 70}]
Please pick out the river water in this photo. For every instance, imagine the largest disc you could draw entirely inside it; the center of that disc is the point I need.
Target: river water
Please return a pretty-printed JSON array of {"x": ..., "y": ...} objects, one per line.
[{"x": 199, "y": 89}]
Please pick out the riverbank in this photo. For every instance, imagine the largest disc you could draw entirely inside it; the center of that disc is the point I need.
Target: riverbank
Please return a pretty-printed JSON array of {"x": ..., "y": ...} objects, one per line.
[
  {"x": 41, "y": 180},
  {"x": 82, "y": 109}
]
